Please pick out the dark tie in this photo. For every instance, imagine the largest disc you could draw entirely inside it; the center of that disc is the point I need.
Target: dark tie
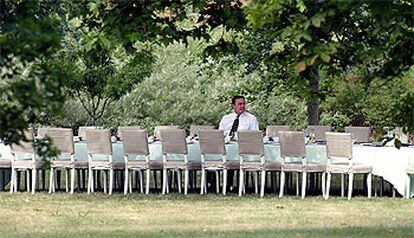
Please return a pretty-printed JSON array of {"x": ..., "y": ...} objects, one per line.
[{"x": 234, "y": 126}]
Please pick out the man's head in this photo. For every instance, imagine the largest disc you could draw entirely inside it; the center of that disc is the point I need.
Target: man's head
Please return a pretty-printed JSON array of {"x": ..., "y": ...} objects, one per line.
[{"x": 238, "y": 104}]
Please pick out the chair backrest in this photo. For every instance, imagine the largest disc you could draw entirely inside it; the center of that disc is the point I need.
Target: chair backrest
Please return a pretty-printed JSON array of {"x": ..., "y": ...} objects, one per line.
[
  {"x": 134, "y": 140},
  {"x": 158, "y": 129},
  {"x": 250, "y": 143},
  {"x": 25, "y": 146},
  {"x": 123, "y": 128},
  {"x": 99, "y": 141},
  {"x": 292, "y": 144},
  {"x": 41, "y": 132},
  {"x": 212, "y": 142},
  {"x": 62, "y": 139},
  {"x": 195, "y": 129},
  {"x": 338, "y": 145},
  {"x": 173, "y": 141},
  {"x": 273, "y": 131},
  {"x": 359, "y": 133},
  {"x": 320, "y": 131},
  {"x": 82, "y": 131}
]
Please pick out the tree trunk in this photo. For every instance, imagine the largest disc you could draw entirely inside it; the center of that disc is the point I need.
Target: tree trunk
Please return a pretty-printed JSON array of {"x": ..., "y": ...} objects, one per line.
[{"x": 313, "y": 100}]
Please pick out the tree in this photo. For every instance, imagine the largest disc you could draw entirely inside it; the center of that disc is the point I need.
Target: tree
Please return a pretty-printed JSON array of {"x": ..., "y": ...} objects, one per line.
[
  {"x": 335, "y": 35},
  {"x": 28, "y": 36}
]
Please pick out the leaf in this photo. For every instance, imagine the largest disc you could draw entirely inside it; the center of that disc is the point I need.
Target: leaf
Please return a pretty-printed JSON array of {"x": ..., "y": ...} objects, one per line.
[
  {"x": 105, "y": 42},
  {"x": 300, "y": 67},
  {"x": 325, "y": 57}
]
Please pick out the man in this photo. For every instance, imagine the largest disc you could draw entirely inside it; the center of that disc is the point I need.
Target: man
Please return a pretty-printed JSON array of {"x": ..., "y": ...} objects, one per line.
[{"x": 239, "y": 119}]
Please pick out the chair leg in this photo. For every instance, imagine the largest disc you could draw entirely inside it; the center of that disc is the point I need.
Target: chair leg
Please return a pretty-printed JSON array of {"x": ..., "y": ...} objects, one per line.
[
  {"x": 241, "y": 182},
  {"x": 141, "y": 187},
  {"x": 34, "y": 180},
  {"x": 28, "y": 187},
  {"x": 12, "y": 180},
  {"x": 297, "y": 183},
  {"x": 126, "y": 178},
  {"x": 186, "y": 181},
  {"x": 408, "y": 187},
  {"x": 282, "y": 183},
  {"x": 130, "y": 182},
  {"x": 256, "y": 184},
  {"x": 342, "y": 185},
  {"x": 262, "y": 184},
  {"x": 350, "y": 185},
  {"x": 323, "y": 184},
  {"x": 224, "y": 181},
  {"x": 203, "y": 175},
  {"x": 51, "y": 180},
  {"x": 147, "y": 180},
  {"x": 328, "y": 185},
  {"x": 111, "y": 180},
  {"x": 217, "y": 182},
  {"x": 72, "y": 180},
  {"x": 304, "y": 174},
  {"x": 164, "y": 181},
  {"x": 98, "y": 178},
  {"x": 67, "y": 180},
  {"x": 369, "y": 184}
]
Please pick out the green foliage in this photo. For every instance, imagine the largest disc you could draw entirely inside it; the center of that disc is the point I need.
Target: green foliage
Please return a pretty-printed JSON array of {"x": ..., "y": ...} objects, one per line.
[
  {"x": 184, "y": 89},
  {"x": 28, "y": 87},
  {"x": 380, "y": 103}
]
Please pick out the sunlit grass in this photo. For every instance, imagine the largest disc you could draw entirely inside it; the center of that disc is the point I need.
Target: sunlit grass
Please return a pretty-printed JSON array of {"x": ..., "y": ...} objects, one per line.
[{"x": 155, "y": 215}]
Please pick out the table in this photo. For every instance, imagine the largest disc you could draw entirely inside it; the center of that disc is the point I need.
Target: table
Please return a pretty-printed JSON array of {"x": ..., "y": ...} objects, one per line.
[{"x": 387, "y": 162}]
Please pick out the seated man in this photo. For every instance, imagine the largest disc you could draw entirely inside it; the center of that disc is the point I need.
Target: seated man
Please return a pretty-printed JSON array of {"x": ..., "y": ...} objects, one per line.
[{"x": 239, "y": 119}]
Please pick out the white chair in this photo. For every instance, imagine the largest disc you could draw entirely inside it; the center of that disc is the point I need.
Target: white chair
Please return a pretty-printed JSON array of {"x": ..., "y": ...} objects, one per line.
[
  {"x": 99, "y": 144},
  {"x": 135, "y": 143},
  {"x": 174, "y": 143},
  {"x": 158, "y": 129},
  {"x": 292, "y": 145},
  {"x": 62, "y": 139},
  {"x": 25, "y": 158},
  {"x": 360, "y": 134},
  {"x": 195, "y": 129},
  {"x": 212, "y": 143},
  {"x": 251, "y": 144},
  {"x": 340, "y": 161},
  {"x": 319, "y": 131},
  {"x": 273, "y": 131}
]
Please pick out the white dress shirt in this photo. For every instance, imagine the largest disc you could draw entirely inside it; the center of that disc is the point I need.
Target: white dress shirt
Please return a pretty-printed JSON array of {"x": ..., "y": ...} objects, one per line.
[{"x": 246, "y": 122}]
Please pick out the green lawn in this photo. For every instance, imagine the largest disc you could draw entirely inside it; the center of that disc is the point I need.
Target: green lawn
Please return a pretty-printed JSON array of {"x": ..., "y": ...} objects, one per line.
[{"x": 61, "y": 214}]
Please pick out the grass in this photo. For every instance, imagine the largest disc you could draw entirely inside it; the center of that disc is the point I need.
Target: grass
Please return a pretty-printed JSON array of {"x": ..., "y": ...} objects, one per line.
[{"x": 65, "y": 215}]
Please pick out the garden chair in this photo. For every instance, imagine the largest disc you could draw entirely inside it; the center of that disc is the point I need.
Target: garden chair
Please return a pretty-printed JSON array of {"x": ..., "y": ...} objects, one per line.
[
  {"x": 340, "y": 161},
  {"x": 62, "y": 140},
  {"x": 273, "y": 131},
  {"x": 174, "y": 144},
  {"x": 136, "y": 156},
  {"x": 195, "y": 129},
  {"x": 99, "y": 145},
  {"x": 320, "y": 131},
  {"x": 158, "y": 129},
  {"x": 292, "y": 145},
  {"x": 251, "y": 145},
  {"x": 25, "y": 159},
  {"x": 212, "y": 143},
  {"x": 360, "y": 134}
]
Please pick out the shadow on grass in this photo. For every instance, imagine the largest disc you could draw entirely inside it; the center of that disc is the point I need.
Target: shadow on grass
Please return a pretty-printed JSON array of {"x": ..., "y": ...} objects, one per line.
[{"x": 331, "y": 232}]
